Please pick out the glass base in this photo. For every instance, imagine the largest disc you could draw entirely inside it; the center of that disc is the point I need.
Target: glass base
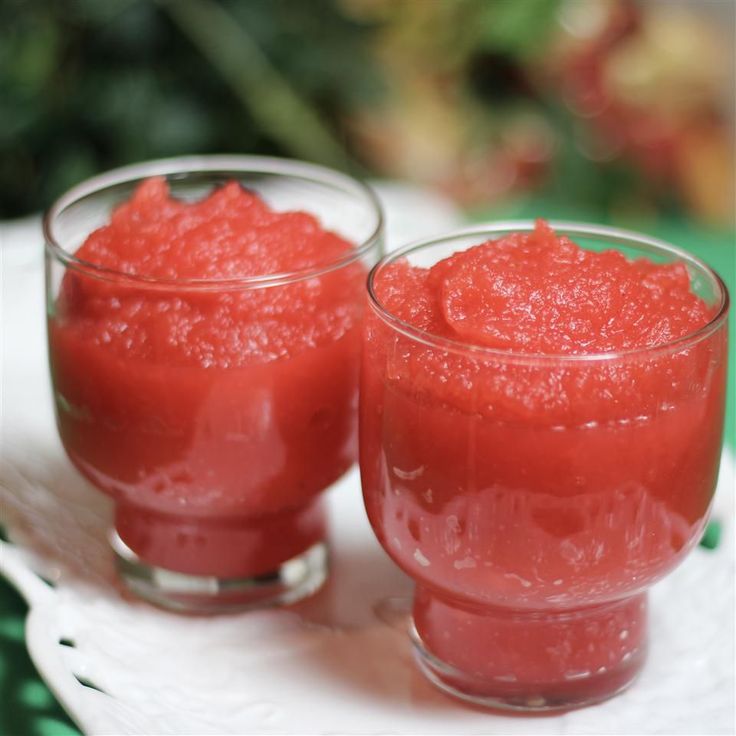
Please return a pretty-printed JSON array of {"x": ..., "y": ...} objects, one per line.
[
  {"x": 297, "y": 578},
  {"x": 543, "y": 698},
  {"x": 223, "y": 546},
  {"x": 505, "y": 659}
]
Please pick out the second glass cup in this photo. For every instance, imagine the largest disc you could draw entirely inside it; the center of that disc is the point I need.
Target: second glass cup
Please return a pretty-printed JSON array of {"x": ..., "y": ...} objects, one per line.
[
  {"x": 535, "y": 498},
  {"x": 216, "y": 464}
]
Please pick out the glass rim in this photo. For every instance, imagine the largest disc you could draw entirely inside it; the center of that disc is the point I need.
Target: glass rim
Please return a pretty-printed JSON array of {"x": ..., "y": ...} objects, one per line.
[
  {"x": 223, "y": 164},
  {"x": 613, "y": 235}
]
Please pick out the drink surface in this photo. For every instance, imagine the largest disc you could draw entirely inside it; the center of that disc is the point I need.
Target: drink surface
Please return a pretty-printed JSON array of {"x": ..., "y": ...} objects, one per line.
[
  {"x": 231, "y": 234},
  {"x": 541, "y": 293}
]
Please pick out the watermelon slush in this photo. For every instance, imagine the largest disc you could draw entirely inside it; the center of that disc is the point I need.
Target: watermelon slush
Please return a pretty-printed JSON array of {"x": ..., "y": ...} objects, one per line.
[
  {"x": 541, "y": 428},
  {"x": 212, "y": 410}
]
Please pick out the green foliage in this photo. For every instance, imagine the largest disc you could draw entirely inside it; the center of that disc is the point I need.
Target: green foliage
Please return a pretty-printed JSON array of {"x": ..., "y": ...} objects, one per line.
[
  {"x": 87, "y": 85},
  {"x": 517, "y": 28}
]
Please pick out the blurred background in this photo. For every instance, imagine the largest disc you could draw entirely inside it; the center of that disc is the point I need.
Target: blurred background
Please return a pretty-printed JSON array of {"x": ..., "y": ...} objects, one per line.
[
  {"x": 609, "y": 109},
  {"x": 604, "y": 110}
]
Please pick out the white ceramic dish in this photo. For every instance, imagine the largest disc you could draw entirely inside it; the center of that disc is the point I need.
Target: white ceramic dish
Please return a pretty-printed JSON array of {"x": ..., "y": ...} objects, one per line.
[{"x": 339, "y": 663}]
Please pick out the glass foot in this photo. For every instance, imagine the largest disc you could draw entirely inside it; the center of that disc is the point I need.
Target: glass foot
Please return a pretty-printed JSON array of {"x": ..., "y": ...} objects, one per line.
[
  {"x": 519, "y": 660},
  {"x": 297, "y": 578},
  {"x": 544, "y": 697}
]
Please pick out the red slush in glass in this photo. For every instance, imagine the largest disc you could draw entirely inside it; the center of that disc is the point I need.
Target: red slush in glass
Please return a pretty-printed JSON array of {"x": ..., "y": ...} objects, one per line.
[
  {"x": 541, "y": 427},
  {"x": 205, "y": 357}
]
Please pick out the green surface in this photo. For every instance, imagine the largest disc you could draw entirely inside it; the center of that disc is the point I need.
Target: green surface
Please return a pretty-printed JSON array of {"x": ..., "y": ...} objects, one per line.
[
  {"x": 712, "y": 536},
  {"x": 26, "y": 706}
]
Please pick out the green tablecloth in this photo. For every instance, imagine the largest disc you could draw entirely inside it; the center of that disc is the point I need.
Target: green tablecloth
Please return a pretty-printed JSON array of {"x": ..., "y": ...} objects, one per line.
[{"x": 27, "y": 708}]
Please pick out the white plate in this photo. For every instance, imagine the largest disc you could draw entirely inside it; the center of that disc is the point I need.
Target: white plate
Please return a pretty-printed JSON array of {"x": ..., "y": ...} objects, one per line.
[{"x": 339, "y": 663}]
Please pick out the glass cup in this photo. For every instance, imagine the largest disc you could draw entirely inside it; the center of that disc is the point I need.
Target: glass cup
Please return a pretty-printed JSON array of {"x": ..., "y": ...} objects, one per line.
[
  {"x": 216, "y": 472},
  {"x": 535, "y": 498}
]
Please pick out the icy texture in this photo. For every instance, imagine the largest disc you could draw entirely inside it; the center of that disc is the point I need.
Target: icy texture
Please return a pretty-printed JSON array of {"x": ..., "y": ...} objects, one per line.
[
  {"x": 533, "y": 296},
  {"x": 230, "y": 234},
  {"x": 542, "y": 294}
]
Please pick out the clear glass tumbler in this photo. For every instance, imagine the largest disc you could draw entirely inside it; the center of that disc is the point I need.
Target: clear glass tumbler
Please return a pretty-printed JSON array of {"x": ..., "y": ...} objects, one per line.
[
  {"x": 533, "y": 521},
  {"x": 216, "y": 471}
]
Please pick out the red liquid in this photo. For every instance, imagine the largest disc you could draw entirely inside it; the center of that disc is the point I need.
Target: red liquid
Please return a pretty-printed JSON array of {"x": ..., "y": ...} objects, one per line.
[
  {"x": 215, "y": 418},
  {"x": 533, "y": 501}
]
